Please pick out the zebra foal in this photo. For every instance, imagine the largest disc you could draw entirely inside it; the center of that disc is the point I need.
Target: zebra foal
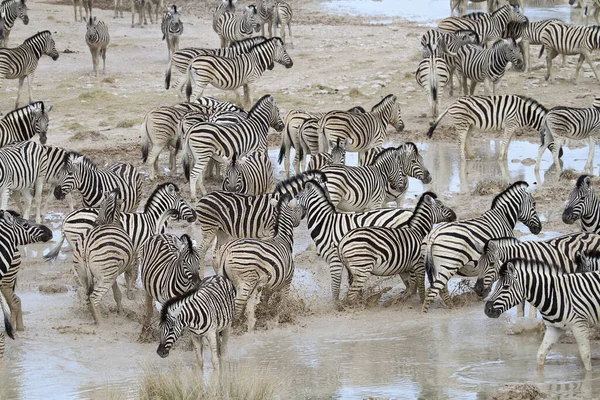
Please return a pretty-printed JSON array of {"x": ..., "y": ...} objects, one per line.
[
  {"x": 97, "y": 39},
  {"x": 172, "y": 28},
  {"x": 170, "y": 266},
  {"x": 10, "y": 10},
  {"x": 206, "y": 311},
  {"x": 574, "y": 305},
  {"x": 22, "y": 61},
  {"x": 250, "y": 173},
  {"x": 583, "y": 205}
]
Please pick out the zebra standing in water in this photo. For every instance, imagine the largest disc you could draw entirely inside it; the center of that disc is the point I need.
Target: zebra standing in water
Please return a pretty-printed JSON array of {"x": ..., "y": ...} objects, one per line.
[
  {"x": 487, "y": 65},
  {"x": 21, "y": 62},
  {"x": 559, "y": 38},
  {"x": 83, "y": 4},
  {"x": 570, "y": 123},
  {"x": 170, "y": 266},
  {"x": 181, "y": 59},
  {"x": 250, "y": 173},
  {"x": 264, "y": 15},
  {"x": 231, "y": 27},
  {"x": 390, "y": 251},
  {"x": 172, "y": 29},
  {"x": 226, "y": 6},
  {"x": 583, "y": 205},
  {"x": 254, "y": 265},
  {"x": 432, "y": 75},
  {"x": 206, "y": 311},
  {"x": 365, "y": 130},
  {"x": 80, "y": 173},
  {"x": 508, "y": 112},
  {"x": 207, "y": 140},
  {"x": 10, "y": 10},
  {"x": 574, "y": 304},
  {"x": 337, "y": 156},
  {"x": 24, "y": 123},
  {"x": 232, "y": 73},
  {"x": 106, "y": 252},
  {"x": 23, "y": 166},
  {"x": 97, "y": 39},
  {"x": 450, "y": 248},
  {"x": 282, "y": 16}
]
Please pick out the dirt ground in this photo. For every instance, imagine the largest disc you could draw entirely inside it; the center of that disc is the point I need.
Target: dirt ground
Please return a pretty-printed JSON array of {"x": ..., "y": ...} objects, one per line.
[{"x": 339, "y": 62}]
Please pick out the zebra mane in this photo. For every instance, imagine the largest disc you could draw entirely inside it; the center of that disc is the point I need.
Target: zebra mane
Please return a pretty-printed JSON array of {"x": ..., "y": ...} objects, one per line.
[
  {"x": 409, "y": 144},
  {"x": 357, "y": 110},
  {"x": 322, "y": 191},
  {"x": 299, "y": 181},
  {"x": 385, "y": 151},
  {"x": 165, "y": 308},
  {"x": 486, "y": 246},
  {"x": 258, "y": 104},
  {"x": 155, "y": 193},
  {"x": 25, "y": 109},
  {"x": 507, "y": 190},
  {"x": 283, "y": 199},
  {"x": 530, "y": 261},
  {"x": 533, "y": 102},
  {"x": 11, "y": 212},
  {"x": 188, "y": 241},
  {"x": 381, "y": 102},
  {"x": 501, "y": 8},
  {"x": 474, "y": 15},
  {"x": 581, "y": 181},
  {"x": 89, "y": 163},
  {"x": 32, "y": 38},
  {"x": 422, "y": 199}
]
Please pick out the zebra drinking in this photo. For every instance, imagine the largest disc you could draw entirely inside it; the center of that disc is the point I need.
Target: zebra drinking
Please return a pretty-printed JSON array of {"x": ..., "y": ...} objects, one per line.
[
  {"x": 97, "y": 39},
  {"x": 172, "y": 28},
  {"x": 583, "y": 205}
]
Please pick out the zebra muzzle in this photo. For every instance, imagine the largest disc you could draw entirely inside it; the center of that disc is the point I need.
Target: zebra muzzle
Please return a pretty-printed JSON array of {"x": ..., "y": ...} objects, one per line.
[
  {"x": 162, "y": 351},
  {"x": 568, "y": 216},
  {"x": 58, "y": 193},
  {"x": 490, "y": 311},
  {"x": 480, "y": 289}
]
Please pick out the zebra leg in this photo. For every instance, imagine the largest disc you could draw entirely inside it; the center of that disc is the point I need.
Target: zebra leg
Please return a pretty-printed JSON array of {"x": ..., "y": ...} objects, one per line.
[
  {"x": 29, "y": 87},
  {"x": 463, "y": 137},
  {"x": 558, "y": 142},
  {"x": 39, "y": 187},
  {"x": 70, "y": 200},
  {"x": 541, "y": 150},
  {"x": 146, "y": 334},
  {"x": 509, "y": 133},
  {"x": 550, "y": 337},
  {"x": 103, "y": 52},
  {"x": 131, "y": 275},
  {"x": 438, "y": 286},
  {"x": 247, "y": 96},
  {"x": 7, "y": 292},
  {"x": 550, "y": 54},
  {"x": 589, "y": 165},
  {"x": 116, "y": 14},
  {"x": 532, "y": 311},
  {"x": 589, "y": 60},
  {"x": 335, "y": 269},
  {"x": 213, "y": 342},
  {"x": 474, "y": 85},
  {"x": 359, "y": 274},
  {"x": 21, "y": 80},
  {"x": 291, "y": 37},
  {"x": 579, "y": 65},
  {"x": 198, "y": 346},
  {"x": 2, "y": 345},
  {"x": 521, "y": 309},
  {"x": 253, "y": 302},
  {"x": 28, "y": 199},
  {"x": 225, "y": 333},
  {"x": 4, "y": 199},
  {"x": 75, "y": 9},
  {"x": 197, "y": 179},
  {"x": 118, "y": 296},
  {"x": 580, "y": 332}
]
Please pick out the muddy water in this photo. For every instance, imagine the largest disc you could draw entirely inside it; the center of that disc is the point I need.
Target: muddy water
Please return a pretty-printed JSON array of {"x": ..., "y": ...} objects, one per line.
[{"x": 426, "y": 11}]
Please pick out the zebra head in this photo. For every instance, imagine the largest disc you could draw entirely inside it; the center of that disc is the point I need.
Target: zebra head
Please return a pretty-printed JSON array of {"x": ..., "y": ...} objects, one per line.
[
  {"x": 20, "y": 9},
  {"x": 40, "y": 121},
  {"x": 518, "y": 200},
  {"x": 512, "y": 13},
  {"x": 275, "y": 121},
  {"x": 172, "y": 323},
  {"x": 189, "y": 258},
  {"x": 70, "y": 173},
  {"x": 110, "y": 208},
  {"x": 50, "y": 47},
  {"x": 489, "y": 263},
  {"x": 24, "y": 231},
  {"x": 338, "y": 152},
  {"x": 234, "y": 178},
  {"x": 513, "y": 52},
  {"x": 582, "y": 200},
  {"x": 167, "y": 197},
  {"x": 251, "y": 16},
  {"x": 389, "y": 110},
  {"x": 280, "y": 54},
  {"x": 438, "y": 211},
  {"x": 412, "y": 163},
  {"x": 508, "y": 293},
  {"x": 174, "y": 15},
  {"x": 528, "y": 214}
]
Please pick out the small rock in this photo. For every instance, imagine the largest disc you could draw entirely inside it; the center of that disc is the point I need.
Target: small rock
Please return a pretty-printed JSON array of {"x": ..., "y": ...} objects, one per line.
[{"x": 409, "y": 89}]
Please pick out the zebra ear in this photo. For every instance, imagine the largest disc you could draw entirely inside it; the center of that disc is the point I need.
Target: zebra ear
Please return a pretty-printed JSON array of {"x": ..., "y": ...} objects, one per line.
[
  {"x": 293, "y": 203},
  {"x": 531, "y": 188},
  {"x": 49, "y": 109},
  {"x": 511, "y": 270},
  {"x": 587, "y": 181},
  {"x": 273, "y": 202}
]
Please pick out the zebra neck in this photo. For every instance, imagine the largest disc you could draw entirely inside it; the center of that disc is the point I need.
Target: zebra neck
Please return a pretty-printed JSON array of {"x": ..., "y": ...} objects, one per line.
[
  {"x": 36, "y": 48},
  {"x": 263, "y": 55},
  {"x": 503, "y": 217},
  {"x": 421, "y": 221},
  {"x": 590, "y": 220},
  {"x": 317, "y": 210}
]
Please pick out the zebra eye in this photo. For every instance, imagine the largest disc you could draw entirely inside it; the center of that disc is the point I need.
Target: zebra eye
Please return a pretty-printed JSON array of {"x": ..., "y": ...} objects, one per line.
[{"x": 505, "y": 286}]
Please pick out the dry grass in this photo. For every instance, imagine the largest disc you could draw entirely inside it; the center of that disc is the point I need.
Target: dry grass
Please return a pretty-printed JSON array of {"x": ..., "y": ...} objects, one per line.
[
  {"x": 569, "y": 175},
  {"x": 245, "y": 383},
  {"x": 463, "y": 294},
  {"x": 525, "y": 391},
  {"x": 128, "y": 123},
  {"x": 109, "y": 79},
  {"x": 490, "y": 186},
  {"x": 51, "y": 288}
]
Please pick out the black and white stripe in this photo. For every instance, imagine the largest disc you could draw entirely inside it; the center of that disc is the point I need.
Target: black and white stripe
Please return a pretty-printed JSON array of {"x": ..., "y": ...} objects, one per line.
[
  {"x": 529, "y": 33},
  {"x": 10, "y": 10},
  {"x": 233, "y": 73},
  {"x": 172, "y": 28},
  {"x": 24, "y": 123},
  {"x": 80, "y": 173},
  {"x": 226, "y": 6},
  {"x": 264, "y": 15},
  {"x": 337, "y": 156},
  {"x": 390, "y": 251},
  {"x": 583, "y": 205},
  {"x": 21, "y": 62},
  {"x": 451, "y": 247},
  {"x": 56, "y": 158},
  {"x": 206, "y": 311},
  {"x": 432, "y": 75},
  {"x": 232, "y": 27},
  {"x": 567, "y": 301},
  {"x": 282, "y": 16},
  {"x": 170, "y": 266},
  {"x": 250, "y": 173},
  {"x": 97, "y": 39},
  {"x": 207, "y": 140}
]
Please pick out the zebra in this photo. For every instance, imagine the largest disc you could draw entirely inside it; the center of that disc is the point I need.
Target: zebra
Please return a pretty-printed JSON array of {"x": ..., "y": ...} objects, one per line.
[
  {"x": 250, "y": 173},
  {"x": 327, "y": 226},
  {"x": 97, "y": 39},
  {"x": 226, "y": 6},
  {"x": 489, "y": 27},
  {"x": 432, "y": 75},
  {"x": 529, "y": 33},
  {"x": 587, "y": 8},
  {"x": 487, "y": 65},
  {"x": 143, "y": 7},
  {"x": 207, "y": 140},
  {"x": 566, "y": 301},
  {"x": 170, "y": 266},
  {"x": 508, "y": 112},
  {"x": 233, "y": 73},
  {"x": 446, "y": 46},
  {"x": 21, "y": 62},
  {"x": 172, "y": 28},
  {"x": 583, "y": 205},
  {"x": 321, "y": 160},
  {"x": 160, "y": 127},
  {"x": 55, "y": 157},
  {"x": 23, "y": 165},
  {"x": 570, "y": 123},
  {"x": 254, "y": 265},
  {"x": 79, "y": 172},
  {"x": 24, "y": 123},
  {"x": 85, "y": 4},
  {"x": 207, "y": 310},
  {"x": 181, "y": 59},
  {"x": 282, "y": 16},
  {"x": 264, "y": 14},
  {"x": 390, "y": 251},
  {"x": 365, "y": 130},
  {"x": 559, "y": 38},
  {"x": 164, "y": 202},
  {"x": 10, "y": 10},
  {"x": 366, "y": 187},
  {"x": 22, "y": 233},
  {"x": 232, "y": 27},
  {"x": 451, "y": 247},
  {"x": 233, "y": 215},
  {"x": 105, "y": 253}
]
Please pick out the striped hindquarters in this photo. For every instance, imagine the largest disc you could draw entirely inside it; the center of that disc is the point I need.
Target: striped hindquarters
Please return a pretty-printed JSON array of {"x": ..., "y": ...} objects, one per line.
[{"x": 251, "y": 173}]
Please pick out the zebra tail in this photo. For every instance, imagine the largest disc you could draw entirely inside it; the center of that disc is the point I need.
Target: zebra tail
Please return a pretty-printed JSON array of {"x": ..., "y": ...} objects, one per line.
[
  {"x": 6, "y": 311},
  {"x": 186, "y": 163},
  {"x": 437, "y": 121},
  {"x": 277, "y": 17},
  {"x": 281, "y": 152},
  {"x": 168, "y": 75},
  {"x": 146, "y": 141},
  {"x": 429, "y": 264},
  {"x": 188, "y": 84},
  {"x": 52, "y": 254},
  {"x": 86, "y": 278},
  {"x": 541, "y": 52}
]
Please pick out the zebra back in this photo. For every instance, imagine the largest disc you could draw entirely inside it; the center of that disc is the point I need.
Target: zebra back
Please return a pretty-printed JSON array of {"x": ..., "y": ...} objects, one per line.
[{"x": 24, "y": 123}]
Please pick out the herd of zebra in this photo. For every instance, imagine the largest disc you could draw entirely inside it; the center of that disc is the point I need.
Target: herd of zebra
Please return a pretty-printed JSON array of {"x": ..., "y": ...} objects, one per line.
[{"x": 251, "y": 220}]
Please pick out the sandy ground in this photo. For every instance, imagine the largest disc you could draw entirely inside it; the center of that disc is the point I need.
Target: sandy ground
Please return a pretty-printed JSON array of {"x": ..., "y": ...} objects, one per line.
[{"x": 339, "y": 62}]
